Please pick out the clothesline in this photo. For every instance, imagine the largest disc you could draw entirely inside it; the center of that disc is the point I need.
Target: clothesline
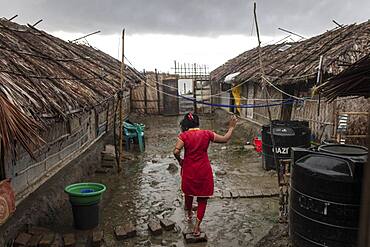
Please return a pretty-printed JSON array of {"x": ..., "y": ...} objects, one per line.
[{"x": 283, "y": 102}]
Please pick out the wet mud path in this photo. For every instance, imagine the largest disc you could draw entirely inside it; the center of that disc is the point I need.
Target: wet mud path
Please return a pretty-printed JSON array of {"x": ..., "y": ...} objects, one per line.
[{"x": 148, "y": 188}]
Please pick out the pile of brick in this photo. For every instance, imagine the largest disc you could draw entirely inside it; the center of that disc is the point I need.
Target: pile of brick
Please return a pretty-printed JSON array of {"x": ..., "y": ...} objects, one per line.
[{"x": 42, "y": 237}]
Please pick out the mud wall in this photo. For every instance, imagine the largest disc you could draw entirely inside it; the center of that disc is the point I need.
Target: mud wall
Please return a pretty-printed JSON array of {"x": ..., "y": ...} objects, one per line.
[
  {"x": 65, "y": 141},
  {"x": 41, "y": 207}
]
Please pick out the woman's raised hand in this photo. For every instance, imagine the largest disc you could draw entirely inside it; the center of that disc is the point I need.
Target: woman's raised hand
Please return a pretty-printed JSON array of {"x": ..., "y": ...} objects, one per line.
[{"x": 233, "y": 121}]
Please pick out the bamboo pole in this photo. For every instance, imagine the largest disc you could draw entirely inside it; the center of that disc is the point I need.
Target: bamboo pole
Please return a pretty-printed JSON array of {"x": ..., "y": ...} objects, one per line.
[{"x": 120, "y": 103}]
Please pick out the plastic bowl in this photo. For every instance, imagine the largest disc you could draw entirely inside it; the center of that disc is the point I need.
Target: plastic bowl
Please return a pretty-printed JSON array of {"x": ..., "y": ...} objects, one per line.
[{"x": 85, "y": 193}]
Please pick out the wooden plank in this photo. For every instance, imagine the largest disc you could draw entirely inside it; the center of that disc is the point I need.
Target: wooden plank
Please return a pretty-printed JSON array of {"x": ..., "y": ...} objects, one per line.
[{"x": 158, "y": 93}]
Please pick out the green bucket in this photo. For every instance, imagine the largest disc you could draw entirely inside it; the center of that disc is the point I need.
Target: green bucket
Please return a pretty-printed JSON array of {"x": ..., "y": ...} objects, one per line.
[{"x": 85, "y": 193}]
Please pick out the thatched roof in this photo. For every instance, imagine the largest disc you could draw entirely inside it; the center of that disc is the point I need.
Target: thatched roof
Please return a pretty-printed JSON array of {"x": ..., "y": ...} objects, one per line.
[
  {"x": 289, "y": 63},
  {"x": 354, "y": 81},
  {"x": 46, "y": 76},
  {"x": 43, "y": 77}
]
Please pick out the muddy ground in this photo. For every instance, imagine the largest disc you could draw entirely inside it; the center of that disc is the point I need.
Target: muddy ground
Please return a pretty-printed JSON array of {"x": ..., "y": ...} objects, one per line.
[{"x": 147, "y": 188}]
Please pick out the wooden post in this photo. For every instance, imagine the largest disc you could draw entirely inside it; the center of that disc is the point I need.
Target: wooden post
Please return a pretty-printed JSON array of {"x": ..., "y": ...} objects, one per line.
[
  {"x": 195, "y": 90},
  {"x": 264, "y": 87},
  {"x": 195, "y": 95},
  {"x": 120, "y": 103},
  {"x": 145, "y": 95},
  {"x": 318, "y": 82},
  {"x": 363, "y": 236},
  {"x": 158, "y": 94},
  {"x": 107, "y": 124}
]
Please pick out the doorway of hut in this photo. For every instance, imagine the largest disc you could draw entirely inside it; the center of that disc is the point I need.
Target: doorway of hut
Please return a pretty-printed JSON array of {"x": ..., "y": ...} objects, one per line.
[
  {"x": 186, "y": 90},
  {"x": 170, "y": 99}
]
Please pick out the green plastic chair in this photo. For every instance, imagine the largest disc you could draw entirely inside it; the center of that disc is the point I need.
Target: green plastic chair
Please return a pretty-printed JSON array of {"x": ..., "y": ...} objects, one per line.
[{"x": 132, "y": 131}]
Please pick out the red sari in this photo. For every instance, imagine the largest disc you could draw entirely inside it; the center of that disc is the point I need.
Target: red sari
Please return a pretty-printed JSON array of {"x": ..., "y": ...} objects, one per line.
[{"x": 196, "y": 172}]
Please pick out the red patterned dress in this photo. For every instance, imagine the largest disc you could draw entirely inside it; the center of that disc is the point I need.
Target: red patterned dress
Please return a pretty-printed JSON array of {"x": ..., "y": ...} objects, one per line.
[{"x": 196, "y": 172}]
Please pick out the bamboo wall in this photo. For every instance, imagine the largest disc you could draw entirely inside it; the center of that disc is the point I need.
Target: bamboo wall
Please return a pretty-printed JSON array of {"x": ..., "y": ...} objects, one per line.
[
  {"x": 145, "y": 98},
  {"x": 322, "y": 116},
  {"x": 358, "y": 121},
  {"x": 261, "y": 114}
]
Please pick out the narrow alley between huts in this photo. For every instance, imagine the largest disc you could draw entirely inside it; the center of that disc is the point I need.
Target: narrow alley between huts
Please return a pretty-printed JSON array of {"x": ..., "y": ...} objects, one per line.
[{"x": 136, "y": 123}]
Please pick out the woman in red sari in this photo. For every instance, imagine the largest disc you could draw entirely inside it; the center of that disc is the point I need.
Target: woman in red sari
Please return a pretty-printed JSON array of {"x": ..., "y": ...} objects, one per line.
[{"x": 196, "y": 171}]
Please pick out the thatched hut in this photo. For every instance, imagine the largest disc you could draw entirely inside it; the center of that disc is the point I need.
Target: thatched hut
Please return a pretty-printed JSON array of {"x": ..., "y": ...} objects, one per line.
[
  {"x": 56, "y": 99},
  {"x": 291, "y": 69},
  {"x": 355, "y": 81}
]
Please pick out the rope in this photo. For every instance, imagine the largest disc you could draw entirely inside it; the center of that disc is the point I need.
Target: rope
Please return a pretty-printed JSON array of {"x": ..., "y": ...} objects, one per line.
[
  {"x": 281, "y": 91},
  {"x": 221, "y": 97},
  {"x": 289, "y": 101},
  {"x": 239, "y": 106}
]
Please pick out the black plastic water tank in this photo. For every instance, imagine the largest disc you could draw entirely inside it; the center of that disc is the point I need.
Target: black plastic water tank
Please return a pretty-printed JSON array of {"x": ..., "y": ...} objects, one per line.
[
  {"x": 325, "y": 195},
  {"x": 287, "y": 134}
]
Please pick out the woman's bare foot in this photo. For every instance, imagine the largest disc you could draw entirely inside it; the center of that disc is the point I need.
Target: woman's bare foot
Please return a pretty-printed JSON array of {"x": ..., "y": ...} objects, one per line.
[
  {"x": 189, "y": 215},
  {"x": 196, "y": 231}
]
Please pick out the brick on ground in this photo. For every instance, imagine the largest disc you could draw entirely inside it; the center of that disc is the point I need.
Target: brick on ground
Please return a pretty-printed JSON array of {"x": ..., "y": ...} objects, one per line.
[
  {"x": 108, "y": 164},
  {"x": 102, "y": 171},
  {"x": 109, "y": 148},
  {"x": 69, "y": 240},
  {"x": 81, "y": 245},
  {"x": 226, "y": 194},
  {"x": 190, "y": 238},
  {"x": 275, "y": 192},
  {"x": 97, "y": 238},
  {"x": 37, "y": 234},
  {"x": 34, "y": 241},
  {"x": 249, "y": 193},
  {"x": 47, "y": 240},
  {"x": 58, "y": 241},
  {"x": 257, "y": 193},
  {"x": 242, "y": 193},
  {"x": 155, "y": 227},
  {"x": 167, "y": 224},
  {"x": 234, "y": 194},
  {"x": 108, "y": 157},
  {"x": 268, "y": 192},
  {"x": 217, "y": 194},
  {"x": 37, "y": 230},
  {"x": 22, "y": 239},
  {"x": 125, "y": 231}
]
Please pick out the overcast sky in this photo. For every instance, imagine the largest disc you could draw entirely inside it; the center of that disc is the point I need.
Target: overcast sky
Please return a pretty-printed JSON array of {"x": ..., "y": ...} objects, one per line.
[{"x": 203, "y": 31}]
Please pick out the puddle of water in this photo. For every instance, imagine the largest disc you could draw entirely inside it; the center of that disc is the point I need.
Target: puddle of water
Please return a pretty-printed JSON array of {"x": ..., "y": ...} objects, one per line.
[{"x": 146, "y": 189}]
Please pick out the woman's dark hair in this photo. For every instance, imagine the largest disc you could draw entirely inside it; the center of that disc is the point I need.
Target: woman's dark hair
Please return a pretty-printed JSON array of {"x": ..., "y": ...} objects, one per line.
[{"x": 190, "y": 120}]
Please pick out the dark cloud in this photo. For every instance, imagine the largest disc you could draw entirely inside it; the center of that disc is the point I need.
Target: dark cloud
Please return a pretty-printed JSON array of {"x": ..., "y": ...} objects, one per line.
[{"x": 189, "y": 17}]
